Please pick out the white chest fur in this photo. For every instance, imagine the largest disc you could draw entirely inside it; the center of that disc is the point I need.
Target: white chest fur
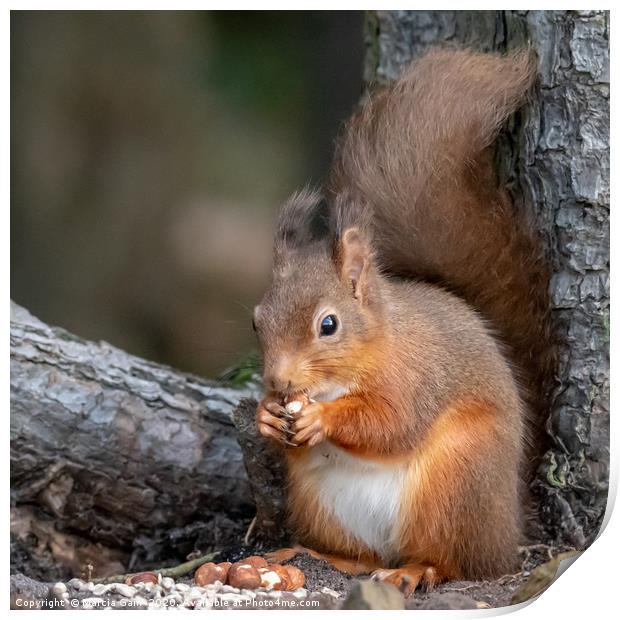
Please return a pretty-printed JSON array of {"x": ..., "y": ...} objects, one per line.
[{"x": 362, "y": 495}]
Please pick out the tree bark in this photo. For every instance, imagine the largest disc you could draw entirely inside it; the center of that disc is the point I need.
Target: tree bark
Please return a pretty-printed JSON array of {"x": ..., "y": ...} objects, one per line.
[
  {"x": 558, "y": 159},
  {"x": 113, "y": 446},
  {"x": 266, "y": 467}
]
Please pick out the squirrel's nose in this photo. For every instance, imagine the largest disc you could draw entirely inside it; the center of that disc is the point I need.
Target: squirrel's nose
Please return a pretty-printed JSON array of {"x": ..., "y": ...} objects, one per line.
[
  {"x": 277, "y": 382},
  {"x": 277, "y": 379},
  {"x": 279, "y": 385}
]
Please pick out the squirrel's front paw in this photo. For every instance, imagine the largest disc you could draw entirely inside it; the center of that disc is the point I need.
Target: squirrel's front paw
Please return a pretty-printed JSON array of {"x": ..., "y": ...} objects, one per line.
[
  {"x": 309, "y": 427},
  {"x": 273, "y": 420}
]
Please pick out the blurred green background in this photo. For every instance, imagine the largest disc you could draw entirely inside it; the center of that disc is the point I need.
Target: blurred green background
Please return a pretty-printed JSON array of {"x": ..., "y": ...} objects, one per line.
[{"x": 149, "y": 154}]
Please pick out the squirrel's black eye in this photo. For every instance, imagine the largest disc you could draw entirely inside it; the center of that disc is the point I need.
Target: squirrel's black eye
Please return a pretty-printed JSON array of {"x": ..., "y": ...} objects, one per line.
[
  {"x": 253, "y": 324},
  {"x": 329, "y": 325}
]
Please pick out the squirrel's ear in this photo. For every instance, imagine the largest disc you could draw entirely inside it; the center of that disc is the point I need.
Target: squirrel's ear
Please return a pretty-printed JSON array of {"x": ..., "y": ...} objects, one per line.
[
  {"x": 355, "y": 257},
  {"x": 298, "y": 224}
]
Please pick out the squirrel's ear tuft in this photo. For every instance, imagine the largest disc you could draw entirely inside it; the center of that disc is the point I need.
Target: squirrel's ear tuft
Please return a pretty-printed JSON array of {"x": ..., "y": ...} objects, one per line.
[
  {"x": 299, "y": 223},
  {"x": 355, "y": 258}
]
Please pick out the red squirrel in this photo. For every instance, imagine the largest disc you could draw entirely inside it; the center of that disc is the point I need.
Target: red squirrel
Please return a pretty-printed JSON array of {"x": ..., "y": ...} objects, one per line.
[{"x": 409, "y": 307}]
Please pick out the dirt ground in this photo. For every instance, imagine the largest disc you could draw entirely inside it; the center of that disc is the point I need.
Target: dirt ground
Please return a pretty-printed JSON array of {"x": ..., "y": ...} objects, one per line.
[
  {"x": 464, "y": 594},
  {"x": 319, "y": 574}
]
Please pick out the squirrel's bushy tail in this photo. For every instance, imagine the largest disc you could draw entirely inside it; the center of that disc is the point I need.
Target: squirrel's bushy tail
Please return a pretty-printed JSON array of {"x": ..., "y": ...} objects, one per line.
[{"x": 418, "y": 155}]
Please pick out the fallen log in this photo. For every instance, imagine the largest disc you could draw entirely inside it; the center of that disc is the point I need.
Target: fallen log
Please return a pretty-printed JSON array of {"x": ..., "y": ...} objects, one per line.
[{"x": 113, "y": 447}]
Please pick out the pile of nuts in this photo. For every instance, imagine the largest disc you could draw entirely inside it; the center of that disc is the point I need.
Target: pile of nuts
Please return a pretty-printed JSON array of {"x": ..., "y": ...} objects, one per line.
[
  {"x": 251, "y": 573},
  {"x": 151, "y": 590}
]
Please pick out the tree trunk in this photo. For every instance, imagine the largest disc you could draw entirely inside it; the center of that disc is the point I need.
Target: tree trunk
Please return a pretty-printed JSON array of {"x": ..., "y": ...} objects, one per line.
[{"x": 558, "y": 159}]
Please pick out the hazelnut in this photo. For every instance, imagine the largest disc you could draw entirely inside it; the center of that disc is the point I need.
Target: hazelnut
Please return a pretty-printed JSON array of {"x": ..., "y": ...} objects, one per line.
[
  {"x": 296, "y": 402},
  {"x": 294, "y": 407},
  {"x": 256, "y": 561},
  {"x": 270, "y": 579},
  {"x": 242, "y": 575},
  {"x": 210, "y": 573},
  {"x": 296, "y": 577},
  {"x": 132, "y": 580},
  {"x": 283, "y": 574},
  {"x": 225, "y": 566}
]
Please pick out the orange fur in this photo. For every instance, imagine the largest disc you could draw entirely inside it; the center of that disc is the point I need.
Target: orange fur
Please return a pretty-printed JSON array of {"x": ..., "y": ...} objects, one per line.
[
  {"x": 366, "y": 426},
  {"x": 434, "y": 527}
]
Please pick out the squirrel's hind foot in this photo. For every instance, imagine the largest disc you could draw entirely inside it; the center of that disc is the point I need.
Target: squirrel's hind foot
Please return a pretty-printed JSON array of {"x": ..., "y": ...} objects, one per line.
[{"x": 408, "y": 577}]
